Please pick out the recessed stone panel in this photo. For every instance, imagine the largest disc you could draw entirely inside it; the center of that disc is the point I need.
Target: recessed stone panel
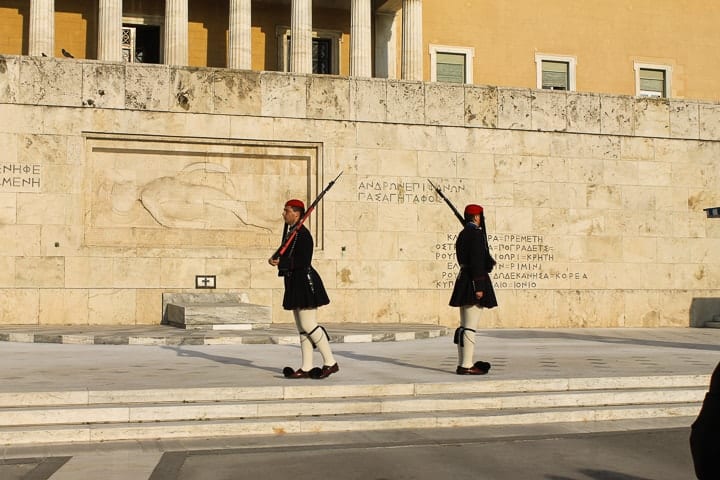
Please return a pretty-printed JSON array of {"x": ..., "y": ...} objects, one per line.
[{"x": 174, "y": 192}]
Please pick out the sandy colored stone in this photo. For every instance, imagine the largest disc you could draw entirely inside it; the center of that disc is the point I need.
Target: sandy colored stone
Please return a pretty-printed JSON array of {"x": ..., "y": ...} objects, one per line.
[
  {"x": 515, "y": 108},
  {"x": 444, "y": 104},
  {"x": 405, "y": 102}
]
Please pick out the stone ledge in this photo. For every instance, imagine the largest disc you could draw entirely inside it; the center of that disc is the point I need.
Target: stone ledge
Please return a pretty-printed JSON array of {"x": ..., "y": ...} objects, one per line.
[
  {"x": 270, "y": 94},
  {"x": 280, "y": 334}
]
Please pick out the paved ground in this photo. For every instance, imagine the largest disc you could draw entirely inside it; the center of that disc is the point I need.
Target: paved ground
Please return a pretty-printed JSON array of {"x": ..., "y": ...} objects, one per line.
[
  {"x": 515, "y": 354},
  {"x": 551, "y": 452},
  {"x": 651, "y": 449}
]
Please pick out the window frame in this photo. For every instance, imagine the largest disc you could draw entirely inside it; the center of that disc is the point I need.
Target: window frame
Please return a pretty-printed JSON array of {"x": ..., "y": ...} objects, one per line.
[
  {"x": 572, "y": 69},
  {"x": 469, "y": 53},
  {"x": 148, "y": 20},
  {"x": 637, "y": 66},
  {"x": 335, "y": 37}
]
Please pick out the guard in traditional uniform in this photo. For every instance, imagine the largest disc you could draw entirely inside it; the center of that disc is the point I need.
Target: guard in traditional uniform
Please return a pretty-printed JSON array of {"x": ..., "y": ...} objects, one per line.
[
  {"x": 705, "y": 433},
  {"x": 304, "y": 293},
  {"x": 473, "y": 289}
]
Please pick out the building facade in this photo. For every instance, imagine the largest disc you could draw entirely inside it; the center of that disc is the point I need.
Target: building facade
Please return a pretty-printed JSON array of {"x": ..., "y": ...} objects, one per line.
[
  {"x": 642, "y": 47},
  {"x": 124, "y": 178}
]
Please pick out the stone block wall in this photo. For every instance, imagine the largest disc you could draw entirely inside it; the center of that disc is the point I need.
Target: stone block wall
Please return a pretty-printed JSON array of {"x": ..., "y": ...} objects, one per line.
[{"x": 123, "y": 182}]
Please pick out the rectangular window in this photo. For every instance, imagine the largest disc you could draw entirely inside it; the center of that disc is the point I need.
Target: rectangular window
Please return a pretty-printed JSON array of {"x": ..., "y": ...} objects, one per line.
[
  {"x": 652, "y": 80},
  {"x": 451, "y": 64},
  {"x": 555, "y": 72},
  {"x": 555, "y": 75},
  {"x": 450, "y": 67},
  {"x": 652, "y": 83}
]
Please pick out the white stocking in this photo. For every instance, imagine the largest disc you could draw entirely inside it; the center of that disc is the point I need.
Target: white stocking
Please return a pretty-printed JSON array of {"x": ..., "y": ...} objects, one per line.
[
  {"x": 469, "y": 318},
  {"x": 306, "y": 322},
  {"x": 306, "y": 347}
]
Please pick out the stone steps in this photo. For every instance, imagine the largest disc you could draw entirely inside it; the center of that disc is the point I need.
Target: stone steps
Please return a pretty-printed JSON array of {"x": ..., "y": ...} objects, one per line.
[
  {"x": 282, "y": 425},
  {"x": 65, "y": 417},
  {"x": 214, "y": 311},
  {"x": 166, "y": 412}
]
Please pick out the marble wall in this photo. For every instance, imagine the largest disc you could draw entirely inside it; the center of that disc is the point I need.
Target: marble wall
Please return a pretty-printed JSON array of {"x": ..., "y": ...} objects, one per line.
[{"x": 122, "y": 182}]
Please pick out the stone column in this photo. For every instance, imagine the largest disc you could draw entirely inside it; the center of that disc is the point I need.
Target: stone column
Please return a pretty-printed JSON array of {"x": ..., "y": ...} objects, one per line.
[
  {"x": 412, "y": 40},
  {"x": 360, "y": 38},
  {"x": 110, "y": 30},
  {"x": 176, "y": 32},
  {"x": 301, "y": 36},
  {"x": 42, "y": 28},
  {"x": 239, "y": 48},
  {"x": 386, "y": 45}
]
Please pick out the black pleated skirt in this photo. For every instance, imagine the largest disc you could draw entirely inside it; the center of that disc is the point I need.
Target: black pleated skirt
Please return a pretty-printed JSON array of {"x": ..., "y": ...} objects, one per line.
[
  {"x": 304, "y": 289},
  {"x": 464, "y": 292}
]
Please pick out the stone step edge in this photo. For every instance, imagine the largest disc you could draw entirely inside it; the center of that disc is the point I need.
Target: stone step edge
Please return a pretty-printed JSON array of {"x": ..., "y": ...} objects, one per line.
[
  {"x": 212, "y": 337},
  {"x": 153, "y": 413},
  {"x": 279, "y": 426},
  {"x": 309, "y": 389}
]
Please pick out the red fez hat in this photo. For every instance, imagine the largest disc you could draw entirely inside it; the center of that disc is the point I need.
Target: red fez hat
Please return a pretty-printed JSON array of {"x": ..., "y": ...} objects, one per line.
[
  {"x": 473, "y": 209},
  {"x": 295, "y": 203}
]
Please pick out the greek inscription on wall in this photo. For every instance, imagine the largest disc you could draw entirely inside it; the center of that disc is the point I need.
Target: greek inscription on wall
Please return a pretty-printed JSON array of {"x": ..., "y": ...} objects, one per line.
[
  {"x": 524, "y": 261},
  {"x": 20, "y": 177},
  {"x": 383, "y": 190}
]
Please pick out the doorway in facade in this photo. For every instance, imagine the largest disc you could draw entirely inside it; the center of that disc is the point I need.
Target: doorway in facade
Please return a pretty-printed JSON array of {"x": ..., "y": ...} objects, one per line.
[
  {"x": 141, "y": 43},
  {"x": 322, "y": 55}
]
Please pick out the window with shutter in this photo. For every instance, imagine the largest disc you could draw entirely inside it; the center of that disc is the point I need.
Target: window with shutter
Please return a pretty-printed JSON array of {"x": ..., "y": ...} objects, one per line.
[
  {"x": 450, "y": 67},
  {"x": 652, "y": 82},
  {"x": 555, "y": 72},
  {"x": 451, "y": 63},
  {"x": 555, "y": 75}
]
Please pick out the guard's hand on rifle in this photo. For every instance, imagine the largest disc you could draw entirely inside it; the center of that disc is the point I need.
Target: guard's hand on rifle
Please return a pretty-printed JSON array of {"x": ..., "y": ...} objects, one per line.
[
  {"x": 273, "y": 261},
  {"x": 479, "y": 294}
]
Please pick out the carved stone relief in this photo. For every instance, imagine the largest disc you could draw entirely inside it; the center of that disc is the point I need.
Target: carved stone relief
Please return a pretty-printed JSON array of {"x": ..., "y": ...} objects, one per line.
[{"x": 147, "y": 192}]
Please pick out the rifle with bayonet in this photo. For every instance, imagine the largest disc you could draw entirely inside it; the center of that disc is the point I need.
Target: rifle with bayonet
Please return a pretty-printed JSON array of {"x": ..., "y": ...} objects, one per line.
[
  {"x": 490, "y": 260},
  {"x": 449, "y": 203},
  {"x": 290, "y": 234}
]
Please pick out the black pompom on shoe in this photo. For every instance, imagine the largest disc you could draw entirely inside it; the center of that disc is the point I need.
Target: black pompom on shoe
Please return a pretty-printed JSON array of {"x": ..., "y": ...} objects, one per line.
[
  {"x": 483, "y": 365},
  {"x": 319, "y": 373},
  {"x": 288, "y": 372},
  {"x": 470, "y": 371}
]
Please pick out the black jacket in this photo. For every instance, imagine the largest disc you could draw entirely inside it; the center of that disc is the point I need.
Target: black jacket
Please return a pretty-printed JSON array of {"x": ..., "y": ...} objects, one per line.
[{"x": 475, "y": 262}]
